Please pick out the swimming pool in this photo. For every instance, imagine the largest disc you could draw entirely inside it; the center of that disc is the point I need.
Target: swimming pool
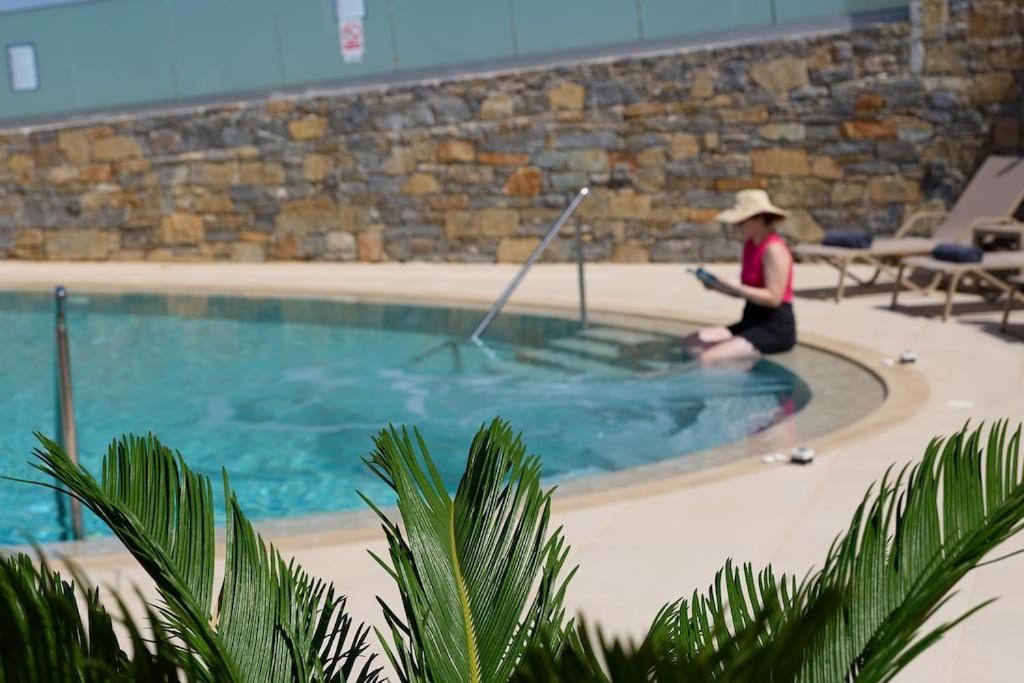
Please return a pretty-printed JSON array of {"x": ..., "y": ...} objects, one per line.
[{"x": 287, "y": 393}]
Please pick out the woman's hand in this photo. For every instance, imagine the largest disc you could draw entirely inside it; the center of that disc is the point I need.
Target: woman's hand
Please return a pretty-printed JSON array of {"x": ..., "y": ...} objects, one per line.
[{"x": 725, "y": 285}]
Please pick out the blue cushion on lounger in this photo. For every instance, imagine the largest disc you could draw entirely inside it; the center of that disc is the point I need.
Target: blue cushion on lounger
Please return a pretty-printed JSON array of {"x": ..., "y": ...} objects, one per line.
[
  {"x": 851, "y": 239},
  {"x": 958, "y": 253}
]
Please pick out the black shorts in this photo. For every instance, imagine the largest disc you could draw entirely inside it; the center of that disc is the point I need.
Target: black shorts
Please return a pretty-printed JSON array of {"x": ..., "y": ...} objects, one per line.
[{"x": 769, "y": 330}]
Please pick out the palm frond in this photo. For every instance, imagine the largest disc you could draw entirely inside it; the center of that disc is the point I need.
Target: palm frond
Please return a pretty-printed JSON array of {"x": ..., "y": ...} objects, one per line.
[
  {"x": 911, "y": 540},
  {"x": 272, "y": 621},
  {"x": 479, "y": 574},
  {"x": 909, "y": 545},
  {"x": 747, "y": 626},
  {"x": 764, "y": 648},
  {"x": 44, "y": 635}
]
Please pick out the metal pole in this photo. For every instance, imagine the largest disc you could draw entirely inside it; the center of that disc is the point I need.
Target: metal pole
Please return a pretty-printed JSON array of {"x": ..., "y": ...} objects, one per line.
[
  {"x": 514, "y": 284},
  {"x": 579, "y": 270},
  {"x": 66, "y": 405}
]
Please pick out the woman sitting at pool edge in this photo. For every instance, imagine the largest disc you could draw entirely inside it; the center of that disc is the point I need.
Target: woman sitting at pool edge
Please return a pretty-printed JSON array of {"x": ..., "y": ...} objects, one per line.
[{"x": 766, "y": 283}]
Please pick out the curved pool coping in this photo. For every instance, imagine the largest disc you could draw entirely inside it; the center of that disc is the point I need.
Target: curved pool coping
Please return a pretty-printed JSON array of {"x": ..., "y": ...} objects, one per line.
[{"x": 905, "y": 391}]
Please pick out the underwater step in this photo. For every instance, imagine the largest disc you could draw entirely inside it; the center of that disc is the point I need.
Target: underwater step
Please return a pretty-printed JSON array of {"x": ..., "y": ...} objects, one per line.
[
  {"x": 568, "y": 362},
  {"x": 586, "y": 347},
  {"x": 621, "y": 337}
]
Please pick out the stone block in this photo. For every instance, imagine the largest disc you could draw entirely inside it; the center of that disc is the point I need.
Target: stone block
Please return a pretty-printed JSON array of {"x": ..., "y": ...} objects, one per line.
[
  {"x": 28, "y": 244},
  {"x": 421, "y": 184},
  {"x": 783, "y": 132},
  {"x": 703, "y": 84},
  {"x": 641, "y": 110},
  {"x": 315, "y": 214},
  {"x": 994, "y": 87},
  {"x": 779, "y": 76},
  {"x": 683, "y": 146},
  {"x": 784, "y": 162},
  {"x": 797, "y": 192},
  {"x": 311, "y": 127},
  {"x": 588, "y": 160},
  {"x": 735, "y": 117},
  {"x": 217, "y": 175},
  {"x": 631, "y": 252},
  {"x": 248, "y": 252},
  {"x": 628, "y": 205},
  {"x": 81, "y": 245},
  {"x": 316, "y": 167},
  {"x": 566, "y": 96},
  {"x": 868, "y": 104},
  {"x": 988, "y": 20},
  {"x": 516, "y": 249},
  {"x": 653, "y": 156},
  {"x": 215, "y": 203},
  {"x": 75, "y": 145},
  {"x": 525, "y": 182},
  {"x": 826, "y": 167},
  {"x": 465, "y": 174},
  {"x": 934, "y": 18},
  {"x": 802, "y": 227},
  {"x": 1006, "y": 134},
  {"x": 260, "y": 173},
  {"x": 498, "y": 105},
  {"x": 181, "y": 228},
  {"x": 892, "y": 190},
  {"x": 503, "y": 159},
  {"x": 868, "y": 130},
  {"x": 455, "y": 150},
  {"x": 444, "y": 109},
  {"x": 371, "y": 246},
  {"x": 401, "y": 161},
  {"x": 482, "y": 223},
  {"x": 354, "y": 218},
  {"x": 341, "y": 246},
  {"x": 100, "y": 173},
  {"x": 847, "y": 193},
  {"x": 62, "y": 175},
  {"x": 115, "y": 149},
  {"x": 737, "y": 184}
]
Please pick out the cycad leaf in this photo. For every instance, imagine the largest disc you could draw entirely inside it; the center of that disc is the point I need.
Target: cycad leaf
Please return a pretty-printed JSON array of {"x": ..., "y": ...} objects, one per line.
[
  {"x": 909, "y": 545},
  {"x": 44, "y": 636},
  {"x": 273, "y": 622},
  {"x": 163, "y": 513},
  {"x": 276, "y": 622},
  {"x": 479, "y": 574}
]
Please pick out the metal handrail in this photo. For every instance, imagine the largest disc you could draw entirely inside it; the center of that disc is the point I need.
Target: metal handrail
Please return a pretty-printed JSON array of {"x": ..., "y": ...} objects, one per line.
[
  {"x": 66, "y": 404},
  {"x": 514, "y": 284}
]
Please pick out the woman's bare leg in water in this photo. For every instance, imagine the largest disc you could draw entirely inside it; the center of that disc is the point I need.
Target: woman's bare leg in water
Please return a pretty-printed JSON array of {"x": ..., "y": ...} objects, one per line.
[{"x": 703, "y": 339}]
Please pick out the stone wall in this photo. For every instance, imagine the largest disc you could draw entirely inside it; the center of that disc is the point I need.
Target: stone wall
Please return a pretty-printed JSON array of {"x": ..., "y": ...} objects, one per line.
[{"x": 850, "y": 130}]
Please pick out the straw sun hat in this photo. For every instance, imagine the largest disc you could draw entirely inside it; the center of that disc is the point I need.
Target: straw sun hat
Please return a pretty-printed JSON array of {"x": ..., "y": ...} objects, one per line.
[{"x": 750, "y": 203}]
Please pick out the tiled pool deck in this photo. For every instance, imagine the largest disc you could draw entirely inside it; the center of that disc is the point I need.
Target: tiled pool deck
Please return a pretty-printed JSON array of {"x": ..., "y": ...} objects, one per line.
[{"x": 651, "y": 542}]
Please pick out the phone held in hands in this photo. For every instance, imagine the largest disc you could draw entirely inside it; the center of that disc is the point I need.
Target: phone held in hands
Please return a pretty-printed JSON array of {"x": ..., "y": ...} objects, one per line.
[{"x": 703, "y": 275}]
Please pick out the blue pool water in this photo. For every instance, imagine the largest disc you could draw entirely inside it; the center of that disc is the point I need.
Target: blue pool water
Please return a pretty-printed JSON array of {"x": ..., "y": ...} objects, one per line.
[{"x": 286, "y": 394}]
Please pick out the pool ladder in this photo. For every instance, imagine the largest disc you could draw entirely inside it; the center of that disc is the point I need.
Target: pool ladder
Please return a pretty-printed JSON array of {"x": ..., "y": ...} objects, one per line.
[
  {"x": 67, "y": 436},
  {"x": 514, "y": 284}
]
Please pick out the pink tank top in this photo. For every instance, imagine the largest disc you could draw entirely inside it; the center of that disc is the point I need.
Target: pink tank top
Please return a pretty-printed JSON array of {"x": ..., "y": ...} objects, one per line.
[{"x": 752, "y": 274}]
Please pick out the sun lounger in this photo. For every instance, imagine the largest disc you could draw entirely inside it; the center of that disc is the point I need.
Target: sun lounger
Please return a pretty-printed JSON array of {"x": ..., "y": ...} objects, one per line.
[
  {"x": 983, "y": 271},
  {"x": 993, "y": 195},
  {"x": 1017, "y": 285}
]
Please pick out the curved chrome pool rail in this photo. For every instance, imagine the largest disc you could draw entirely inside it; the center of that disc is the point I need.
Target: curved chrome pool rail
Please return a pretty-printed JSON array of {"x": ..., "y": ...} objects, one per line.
[{"x": 548, "y": 238}]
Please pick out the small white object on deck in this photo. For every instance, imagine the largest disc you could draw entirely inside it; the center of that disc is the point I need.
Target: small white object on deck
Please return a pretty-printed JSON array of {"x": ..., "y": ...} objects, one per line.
[{"x": 801, "y": 455}]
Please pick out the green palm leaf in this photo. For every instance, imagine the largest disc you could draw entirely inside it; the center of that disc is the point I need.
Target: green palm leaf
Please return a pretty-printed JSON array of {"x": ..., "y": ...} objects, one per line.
[
  {"x": 273, "y": 622},
  {"x": 44, "y": 636},
  {"x": 908, "y": 545},
  {"x": 478, "y": 573}
]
